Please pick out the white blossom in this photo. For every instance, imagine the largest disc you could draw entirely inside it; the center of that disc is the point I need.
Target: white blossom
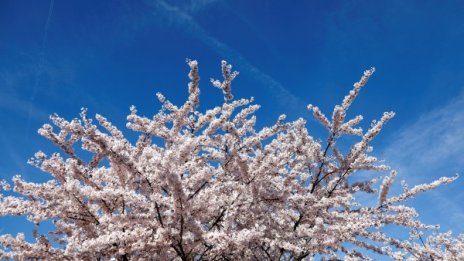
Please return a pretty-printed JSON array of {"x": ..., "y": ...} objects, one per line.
[{"x": 208, "y": 185}]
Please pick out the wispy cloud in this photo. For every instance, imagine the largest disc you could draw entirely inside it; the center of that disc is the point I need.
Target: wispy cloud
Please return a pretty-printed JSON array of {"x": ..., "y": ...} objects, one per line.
[
  {"x": 195, "y": 6},
  {"x": 16, "y": 112},
  {"x": 177, "y": 16},
  {"x": 432, "y": 147},
  {"x": 13, "y": 157},
  {"x": 21, "y": 107},
  {"x": 433, "y": 142}
]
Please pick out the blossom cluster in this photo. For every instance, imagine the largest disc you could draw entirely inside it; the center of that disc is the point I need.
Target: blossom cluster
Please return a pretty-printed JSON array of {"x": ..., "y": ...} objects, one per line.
[{"x": 210, "y": 186}]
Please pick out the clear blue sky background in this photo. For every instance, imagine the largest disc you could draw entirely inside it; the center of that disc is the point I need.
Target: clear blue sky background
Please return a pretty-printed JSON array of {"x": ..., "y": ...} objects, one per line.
[{"x": 59, "y": 56}]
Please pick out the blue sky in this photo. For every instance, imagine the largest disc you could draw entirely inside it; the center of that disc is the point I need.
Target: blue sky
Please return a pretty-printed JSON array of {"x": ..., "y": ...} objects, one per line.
[{"x": 59, "y": 56}]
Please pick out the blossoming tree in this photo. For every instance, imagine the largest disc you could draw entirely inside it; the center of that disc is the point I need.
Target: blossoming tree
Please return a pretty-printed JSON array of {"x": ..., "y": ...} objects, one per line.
[{"x": 209, "y": 186}]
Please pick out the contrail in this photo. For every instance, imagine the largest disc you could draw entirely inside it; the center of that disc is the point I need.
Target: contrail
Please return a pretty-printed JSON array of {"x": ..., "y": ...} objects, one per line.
[
  {"x": 47, "y": 24},
  {"x": 186, "y": 21},
  {"x": 40, "y": 66}
]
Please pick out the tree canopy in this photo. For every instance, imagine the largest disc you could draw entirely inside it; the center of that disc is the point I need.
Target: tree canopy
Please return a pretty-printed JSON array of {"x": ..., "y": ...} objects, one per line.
[{"x": 210, "y": 186}]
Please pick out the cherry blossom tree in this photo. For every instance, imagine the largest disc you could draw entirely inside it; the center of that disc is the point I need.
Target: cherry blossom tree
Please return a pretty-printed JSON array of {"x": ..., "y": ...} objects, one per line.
[{"x": 209, "y": 186}]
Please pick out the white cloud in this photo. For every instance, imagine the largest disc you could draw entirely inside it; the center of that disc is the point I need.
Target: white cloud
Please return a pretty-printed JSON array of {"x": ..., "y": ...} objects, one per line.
[
  {"x": 434, "y": 142},
  {"x": 430, "y": 148}
]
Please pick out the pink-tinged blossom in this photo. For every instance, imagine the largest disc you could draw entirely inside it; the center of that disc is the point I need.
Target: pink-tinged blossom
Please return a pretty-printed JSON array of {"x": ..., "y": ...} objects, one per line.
[
  {"x": 386, "y": 185},
  {"x": 208, "y": 185}
]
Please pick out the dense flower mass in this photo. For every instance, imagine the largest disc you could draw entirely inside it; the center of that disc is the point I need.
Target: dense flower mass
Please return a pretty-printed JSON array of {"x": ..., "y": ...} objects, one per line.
[{"x": 209, "y": 186}]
